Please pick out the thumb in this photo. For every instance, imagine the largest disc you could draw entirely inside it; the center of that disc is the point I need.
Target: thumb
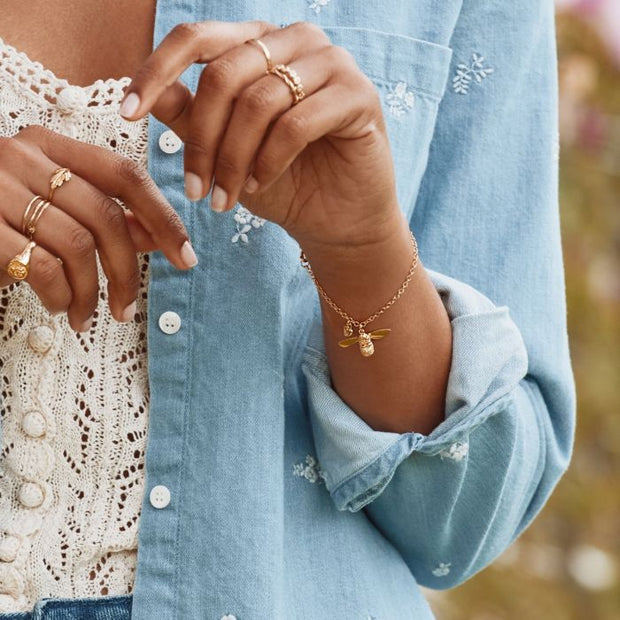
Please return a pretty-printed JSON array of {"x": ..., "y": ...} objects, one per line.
[{"x": 173, "y": 108}]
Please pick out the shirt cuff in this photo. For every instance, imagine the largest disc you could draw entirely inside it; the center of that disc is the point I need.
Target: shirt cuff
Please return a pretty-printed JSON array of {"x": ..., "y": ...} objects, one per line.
[{"x": 489, "y": 359}]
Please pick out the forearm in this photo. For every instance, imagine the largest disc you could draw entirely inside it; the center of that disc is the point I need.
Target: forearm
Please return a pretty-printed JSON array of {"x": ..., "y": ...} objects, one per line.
[{"x": 402, "y": 386}]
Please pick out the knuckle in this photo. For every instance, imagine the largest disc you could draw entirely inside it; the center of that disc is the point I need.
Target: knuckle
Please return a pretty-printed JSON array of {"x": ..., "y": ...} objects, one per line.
[
  {"x": 195, "y": 146},
  {"x": 110, "y": 213},
  {"x": 340, "y": 55},
  {"x": 257, "y": 99},
  {"x": 186, "y": 31},
  {"x": 310, "y": 30},
  {"x": 80, "y": 242},
  {"x": 227, "y": 165},
  {"x": 266, "y": 162},
  {"x": 293, "y": 128},
  {"x": 48, "y": 271},
  {"x": 218, "y": 73},
  {"x": 173, "y": 223},
  {"x": 132, "y": 173}
]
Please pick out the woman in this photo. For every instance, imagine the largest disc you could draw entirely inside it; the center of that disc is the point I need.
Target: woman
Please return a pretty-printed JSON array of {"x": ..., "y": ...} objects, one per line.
[{"x": 228, "y": 459}]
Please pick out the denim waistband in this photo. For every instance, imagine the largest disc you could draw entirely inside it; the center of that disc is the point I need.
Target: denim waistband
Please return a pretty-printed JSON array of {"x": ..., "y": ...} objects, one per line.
[{"x": 100, "y": 608}]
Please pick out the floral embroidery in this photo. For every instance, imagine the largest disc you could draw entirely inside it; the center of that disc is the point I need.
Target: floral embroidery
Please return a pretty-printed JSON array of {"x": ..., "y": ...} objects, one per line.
[
  {"x": 442, "y": 570},
  {"x": 311, "y": 471},
  {"x": 456, "y": 451},
  {"x": 317, "y": 5},
  {"x": 399, "y": 99},
  {"x": 245, "y": 220},
  {"x": 465, "y": 73}
]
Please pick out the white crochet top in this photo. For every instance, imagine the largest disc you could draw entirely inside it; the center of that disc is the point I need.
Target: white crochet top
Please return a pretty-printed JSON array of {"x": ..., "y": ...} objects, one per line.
[{"x": 74, "y": 406}]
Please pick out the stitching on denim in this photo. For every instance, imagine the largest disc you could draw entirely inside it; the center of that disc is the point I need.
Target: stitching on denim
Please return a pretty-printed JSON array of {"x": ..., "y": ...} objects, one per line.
[
  {"x": 317, "y": 5},
  {"x": 245, "y": 221},
  {"x": 399, "y": 99},
  {"x": 442, "y": 569},
  {"x": 465, "y": 73},
  {"x": 311, "y": 471}
]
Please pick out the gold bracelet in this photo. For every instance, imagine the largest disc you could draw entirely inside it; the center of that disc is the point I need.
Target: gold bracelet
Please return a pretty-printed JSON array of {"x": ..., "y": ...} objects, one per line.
[{"x": 364, "y": 339}]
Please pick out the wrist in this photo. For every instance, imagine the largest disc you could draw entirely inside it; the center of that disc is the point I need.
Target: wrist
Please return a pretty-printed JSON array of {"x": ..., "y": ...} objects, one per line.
[{"x": 361, "y": 277}]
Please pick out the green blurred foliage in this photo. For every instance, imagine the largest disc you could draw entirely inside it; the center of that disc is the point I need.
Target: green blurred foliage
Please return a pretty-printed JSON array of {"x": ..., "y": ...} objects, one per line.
[{"x": 566, "y": 565}]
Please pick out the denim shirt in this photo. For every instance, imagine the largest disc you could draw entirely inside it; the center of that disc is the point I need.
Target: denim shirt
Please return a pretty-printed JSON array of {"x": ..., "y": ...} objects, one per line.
[{"x": 284, "y": 503}]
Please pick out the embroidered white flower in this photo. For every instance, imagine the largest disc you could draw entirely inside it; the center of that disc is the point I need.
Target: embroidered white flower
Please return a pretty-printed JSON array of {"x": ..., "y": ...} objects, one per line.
[
  {"x": 311, "y": 471},
  {"x": 245, "y": 220},
  {"x": 475, "y": 70},
  {"x": 456, "y": 451},
  {"x": 399, "y": 99},
  {"x": 442, "y": 570},
  {"x": 317, "y": 5}
]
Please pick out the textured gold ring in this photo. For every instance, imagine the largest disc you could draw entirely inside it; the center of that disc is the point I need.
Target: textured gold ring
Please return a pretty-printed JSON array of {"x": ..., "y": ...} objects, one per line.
[
  {"x": 292, "y": 80},
  {"x": 58, "y": 178},
  {"x": 265, "y": 50},
  {"x": 19, "y": 265}
]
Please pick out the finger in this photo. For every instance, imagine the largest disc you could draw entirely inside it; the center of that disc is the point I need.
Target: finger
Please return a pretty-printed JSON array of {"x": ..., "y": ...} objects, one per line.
[
  {"x": 255, "y": 109},
  {"x": 96, "y": 222},
  {"x": 224, "y": 80},
  {"x": 46, "y": 275},
  {"x": 142, "y": 241},
  {"x": 184, "y": 45},
  {"x": 63, "y": 237},
  {"x": 308, "y": 121},
  {"x": 121, "y": 178}
]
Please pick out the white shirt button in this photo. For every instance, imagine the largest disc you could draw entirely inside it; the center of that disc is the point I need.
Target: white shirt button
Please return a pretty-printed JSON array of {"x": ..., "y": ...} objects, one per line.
[
  {"x": 169, "y": 142},
  {"x": 159, "y": 496},
  {"x": 33, "y": 424},
  {"x": 228, "y": 617},
  {"x": 30, "y": 494},
  {"x": 169, "y": 322}
]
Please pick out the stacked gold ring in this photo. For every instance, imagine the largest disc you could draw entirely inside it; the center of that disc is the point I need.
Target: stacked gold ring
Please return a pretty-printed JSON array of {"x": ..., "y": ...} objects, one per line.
[
  {"x": 35, "y": 209},
  {"x": 265, "y": 50},
  {"x": 292, "y": 79}
]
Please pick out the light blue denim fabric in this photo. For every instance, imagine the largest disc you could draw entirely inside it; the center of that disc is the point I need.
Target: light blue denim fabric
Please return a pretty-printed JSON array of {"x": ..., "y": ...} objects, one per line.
[{"x": 284, "y": 502}]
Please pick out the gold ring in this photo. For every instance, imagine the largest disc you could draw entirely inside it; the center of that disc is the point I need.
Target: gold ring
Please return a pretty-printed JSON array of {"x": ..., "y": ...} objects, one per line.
[
  {"x": 58, "y": 178},
  {"x": 292, "y": 79},
  {"x": 19, "y": 265},
  {"x": 265, "y": 51},
  {"x": 38, "y": 206}
]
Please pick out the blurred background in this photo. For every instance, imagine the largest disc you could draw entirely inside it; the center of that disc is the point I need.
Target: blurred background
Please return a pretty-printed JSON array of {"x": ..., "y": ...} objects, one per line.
[{"x": 567, "y": 564}]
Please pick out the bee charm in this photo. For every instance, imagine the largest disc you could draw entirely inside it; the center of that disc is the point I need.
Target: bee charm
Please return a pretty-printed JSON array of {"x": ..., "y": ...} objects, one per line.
[{"x": 367, "y": 348}]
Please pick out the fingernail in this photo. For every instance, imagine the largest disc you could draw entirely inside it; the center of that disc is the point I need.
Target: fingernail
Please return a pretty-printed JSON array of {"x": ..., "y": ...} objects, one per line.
[
  {"x": 86, "y": 325},
  {"x": 251, "y": 185},
  {"x": 129, "y": 105},
  {"x": 218, "y": 199},
  {"x": 188, "y": 256},
  {"x": 129, "y": 312},
  {"x": 193, "y": 186}
]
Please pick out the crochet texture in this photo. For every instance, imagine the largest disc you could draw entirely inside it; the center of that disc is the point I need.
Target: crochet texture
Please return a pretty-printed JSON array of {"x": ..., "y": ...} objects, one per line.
[{"x": 74, "y": 406}]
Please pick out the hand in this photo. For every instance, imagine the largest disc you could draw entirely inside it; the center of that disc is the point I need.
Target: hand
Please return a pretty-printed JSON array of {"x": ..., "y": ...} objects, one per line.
[
  {"x": 322, "y": 169},
  {"x": 83, "y": 219}
]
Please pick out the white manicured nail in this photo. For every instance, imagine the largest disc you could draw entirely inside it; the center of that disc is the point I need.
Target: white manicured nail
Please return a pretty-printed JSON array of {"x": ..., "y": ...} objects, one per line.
[
  {"x": 130, "y": 105},
  {"x": 188, "y": 256},
  {"x": 193, "y": 186},
  {"x": 219, "y": 198},
  {"x": 129, "y": 313}
]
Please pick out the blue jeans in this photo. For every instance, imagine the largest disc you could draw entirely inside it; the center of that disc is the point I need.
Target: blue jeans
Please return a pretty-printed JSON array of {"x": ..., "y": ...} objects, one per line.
[{"x": 100, "y": 608}]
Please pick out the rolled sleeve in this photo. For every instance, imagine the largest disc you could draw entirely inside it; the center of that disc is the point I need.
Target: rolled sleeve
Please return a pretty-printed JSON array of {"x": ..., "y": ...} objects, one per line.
[{"x": 489, "y": 359}]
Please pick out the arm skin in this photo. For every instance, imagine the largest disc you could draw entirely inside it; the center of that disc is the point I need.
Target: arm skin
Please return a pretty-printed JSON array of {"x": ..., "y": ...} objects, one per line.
[{"x": 402, "y": 386}]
